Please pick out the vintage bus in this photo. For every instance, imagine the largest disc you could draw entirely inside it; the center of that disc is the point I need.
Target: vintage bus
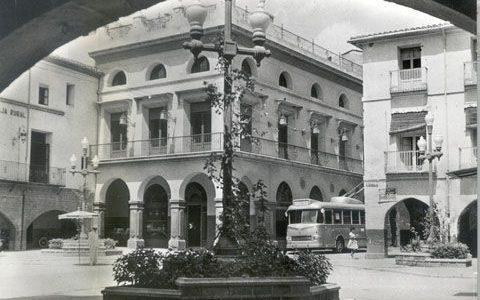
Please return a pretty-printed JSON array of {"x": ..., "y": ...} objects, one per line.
[{"x": 319, "y": 225}]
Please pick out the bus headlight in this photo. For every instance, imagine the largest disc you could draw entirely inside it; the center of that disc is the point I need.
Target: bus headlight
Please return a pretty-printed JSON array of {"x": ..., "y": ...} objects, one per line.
[
  {"x": 289, "y": 238},
  {"x": 315, "y": 237}
]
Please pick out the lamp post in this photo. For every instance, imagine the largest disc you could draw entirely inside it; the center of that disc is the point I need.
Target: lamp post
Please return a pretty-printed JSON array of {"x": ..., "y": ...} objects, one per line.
[
  {"x": 259, "y": 20},
  {"x": 84, "y": 171},
  {"x": 430, "y": 154}
]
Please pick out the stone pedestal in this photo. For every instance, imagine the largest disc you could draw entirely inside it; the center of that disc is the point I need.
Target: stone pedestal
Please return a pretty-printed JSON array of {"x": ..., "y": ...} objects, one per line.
[
  {"x": 136, "y": 225},
  {"x": 177, "y": 228}
]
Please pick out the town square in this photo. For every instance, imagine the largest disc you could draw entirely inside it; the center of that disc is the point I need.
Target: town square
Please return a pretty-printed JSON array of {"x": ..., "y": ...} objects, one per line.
[{"x": 238, "y": 149}]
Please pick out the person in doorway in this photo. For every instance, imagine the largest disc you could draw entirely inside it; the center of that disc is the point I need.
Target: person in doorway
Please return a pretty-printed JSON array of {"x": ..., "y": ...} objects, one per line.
[
  {"x": 93, "y": 245},
  {"x": 352, "y": 242}
]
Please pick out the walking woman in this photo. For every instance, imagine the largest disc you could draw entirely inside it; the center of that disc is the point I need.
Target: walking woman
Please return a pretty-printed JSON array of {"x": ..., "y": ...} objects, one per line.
[{"x": 352, "y": 242}]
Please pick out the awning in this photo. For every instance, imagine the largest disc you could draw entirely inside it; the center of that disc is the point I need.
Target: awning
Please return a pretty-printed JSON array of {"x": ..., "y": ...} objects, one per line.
[
  {"x": 408, "y": 122},
  {"x": 471, "y": 117}
]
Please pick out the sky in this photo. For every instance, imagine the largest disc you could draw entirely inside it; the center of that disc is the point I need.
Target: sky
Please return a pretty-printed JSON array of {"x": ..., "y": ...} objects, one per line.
[{"x": 331, "y": 23}]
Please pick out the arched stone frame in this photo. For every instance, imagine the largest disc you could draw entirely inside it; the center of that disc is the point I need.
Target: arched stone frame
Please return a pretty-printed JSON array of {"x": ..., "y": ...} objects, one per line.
[
  {"x": 343, "y": 99},
  {"x": 251, "y": 63},
  {"x": 283, "y": 191},
  {"x": 141, "y": 193},
  {"x": 403, "y": 229},
  {"x": 214, "y": 204},
  {"x": 9, "y": 233},
  {"x": 151, "y": 67},
  {"x": 317, "y": 190},
  {"x": 342, "y": 192},
  {"x": 122, "y": 233},
  {"x": 112, "y": 75},
  {"x": 192, "y": 60},
  {"x": 318, "y": 89},
  {"x": 38, "y": 238},
  {"x": 468, "y": 233},
  {"x": 288, "y": 80}
]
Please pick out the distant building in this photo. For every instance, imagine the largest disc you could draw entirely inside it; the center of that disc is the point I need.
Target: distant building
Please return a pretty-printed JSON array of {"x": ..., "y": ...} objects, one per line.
[
  {"x": 406, "y": 73},
  {"x": 43, "y": 116},
  {"x": 156, "y": 129}
]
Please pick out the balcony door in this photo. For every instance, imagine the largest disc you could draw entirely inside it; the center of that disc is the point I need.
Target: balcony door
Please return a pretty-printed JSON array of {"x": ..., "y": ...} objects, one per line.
[
  {"x": 409, "y": 153},
  {"x": 283, "y": 139},
  {"x": 39, "y": 158},
  {"x": 410, "y": 63},
  {"x": 118, "y": 136},
  {"x": 157, "y": 131},
  {"x": 201, "y": 126},
  {"x": 314, "y": 148}
]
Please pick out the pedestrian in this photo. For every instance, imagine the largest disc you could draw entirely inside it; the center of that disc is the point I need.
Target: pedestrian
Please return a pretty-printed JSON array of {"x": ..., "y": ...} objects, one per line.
[
  {"x": 352, "y": 242},
  {"x": 93, "y": 245}
]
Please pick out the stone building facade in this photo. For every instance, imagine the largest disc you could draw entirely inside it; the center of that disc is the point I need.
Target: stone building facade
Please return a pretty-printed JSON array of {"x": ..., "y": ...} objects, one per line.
[
  {"x": 406, "y": 74},
  {"x": 43, "y": 115},
  {"x": 156, "y": 129}
]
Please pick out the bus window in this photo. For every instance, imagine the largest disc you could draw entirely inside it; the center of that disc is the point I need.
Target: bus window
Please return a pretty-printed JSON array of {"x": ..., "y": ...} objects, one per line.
[
  {"x": 355, "y": 217},
  {"x": 328, "y": 217},
  {"x": 362, "y": 217},
  {"x": 320, "y": 218},
  {"x": 337, "y": 217},
  {"x": 347, "y": 217},
  {"x": 309, "y": 216},
  {"x": 295, "y": 216}
]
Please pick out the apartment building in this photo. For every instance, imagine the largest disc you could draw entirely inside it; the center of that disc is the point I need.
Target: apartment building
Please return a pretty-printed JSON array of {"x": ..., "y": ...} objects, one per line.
[{"x": 408, "y": 73}]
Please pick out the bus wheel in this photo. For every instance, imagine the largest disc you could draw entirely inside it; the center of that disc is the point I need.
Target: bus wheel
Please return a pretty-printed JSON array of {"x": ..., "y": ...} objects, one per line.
[{"x": 339, "y": 245}]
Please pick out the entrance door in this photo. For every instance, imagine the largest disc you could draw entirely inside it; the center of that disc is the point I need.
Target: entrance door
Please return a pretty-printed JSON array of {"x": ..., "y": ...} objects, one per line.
[
  {"x": 156, "y": 231},
  {"x": 194, "y": 225},
  {"x": 39, "y": 158},
  {"x": 283, "y": 139}
]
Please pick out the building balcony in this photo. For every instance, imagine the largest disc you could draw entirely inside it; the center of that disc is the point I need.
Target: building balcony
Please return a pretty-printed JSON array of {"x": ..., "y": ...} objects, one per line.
[
  {"x": 21, "y": 172},
  {"x": 467, "y": 157},
  {"x": 470, "y": 73},
  {"x": 188, "y": 145},
  {"x": 409, "y": 80},
  {"x": 404, "y": 162}
]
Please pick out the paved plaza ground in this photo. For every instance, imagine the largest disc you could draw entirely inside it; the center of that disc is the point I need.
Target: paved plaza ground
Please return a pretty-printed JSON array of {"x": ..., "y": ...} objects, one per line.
[{"x": 36, "y": 275}]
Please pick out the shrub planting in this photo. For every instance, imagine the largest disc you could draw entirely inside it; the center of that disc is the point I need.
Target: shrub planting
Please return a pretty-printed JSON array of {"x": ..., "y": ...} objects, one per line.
[
  {"x": 110, "y": 243},
  {"x": 451, "y": 250},
  {"x": 55, "y": 244}
]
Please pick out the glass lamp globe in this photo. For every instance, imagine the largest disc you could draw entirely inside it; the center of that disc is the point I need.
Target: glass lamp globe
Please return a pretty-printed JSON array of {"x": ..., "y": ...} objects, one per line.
[
  {"x": 196, "y": 14},
  {"x": 95, "y": 161},
  {"x": 123, "y": 119},
  {"x": 283, "y": 120},
  {"x": 315, "y": 129},
  {"x": 259, "y": 20},
  {"x": 438, "y": 141},
  {"x": 73, "y": 162},
  {"x": 422, "y": 144},
  {"x": 84, "y": 143},
  {"x": 429, "y": 118}
]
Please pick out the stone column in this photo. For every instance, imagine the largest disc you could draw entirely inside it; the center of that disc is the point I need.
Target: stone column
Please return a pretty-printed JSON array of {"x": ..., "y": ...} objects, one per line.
[
  {"x": 136, "y": 225},
  {"x": 177, "y": 226},
  {"x": 99, "y": 208}
]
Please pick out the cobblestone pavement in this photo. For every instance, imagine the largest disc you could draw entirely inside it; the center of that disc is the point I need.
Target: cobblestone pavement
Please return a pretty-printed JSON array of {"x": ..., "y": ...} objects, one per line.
[{"x": 36, "y": 275}]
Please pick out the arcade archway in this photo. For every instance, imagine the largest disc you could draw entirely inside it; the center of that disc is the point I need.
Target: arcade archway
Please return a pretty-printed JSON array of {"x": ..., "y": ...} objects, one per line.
[
  {"x": 284, "y": 199},
  {"x": 7, "y": 233},
  {"x": 467, "y": 227},
  {"x": 401, "y": 219},
  {"x": 316, "y": 194},
  {"x": 117, "y": 213},
  {"x": 156, "y": 227},
  {"x": 196, "y": 215},
  {"x": 47, "y": 226}
]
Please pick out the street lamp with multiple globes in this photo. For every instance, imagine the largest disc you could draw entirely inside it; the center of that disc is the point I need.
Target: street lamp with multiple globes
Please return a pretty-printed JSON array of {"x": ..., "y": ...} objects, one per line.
[
  {"x": 84, "y": 171},
  {"x": 429, "y": 153},
  {"x": 259, "y": 20}
]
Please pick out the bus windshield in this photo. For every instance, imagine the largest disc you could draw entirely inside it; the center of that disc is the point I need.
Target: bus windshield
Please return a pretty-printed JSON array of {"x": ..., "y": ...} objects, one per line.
[{"x": 303, "y": 216}]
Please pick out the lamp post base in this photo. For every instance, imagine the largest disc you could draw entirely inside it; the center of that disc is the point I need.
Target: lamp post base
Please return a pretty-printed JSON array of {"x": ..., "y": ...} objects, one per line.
[{"x": 226, "y": 247}]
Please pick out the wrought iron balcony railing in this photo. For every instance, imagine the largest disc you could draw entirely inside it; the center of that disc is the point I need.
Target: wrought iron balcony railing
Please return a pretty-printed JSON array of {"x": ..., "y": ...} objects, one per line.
[
  {"x": 467, "y": 157},
  {"x": 214, "y": 142},
  {"x": 408, "y": 80},
  {"x": 470, "y": 73},
  {"x": 15, "y": 171},
  {"x": 404, "y": 162}
]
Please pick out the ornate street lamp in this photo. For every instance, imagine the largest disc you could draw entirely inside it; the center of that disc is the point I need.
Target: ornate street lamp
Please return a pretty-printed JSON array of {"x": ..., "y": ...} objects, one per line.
[
  {"x": 259, "y": 19},
  {"x": 430, "y": 154},
  {"x": 84, "y": 171}
]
